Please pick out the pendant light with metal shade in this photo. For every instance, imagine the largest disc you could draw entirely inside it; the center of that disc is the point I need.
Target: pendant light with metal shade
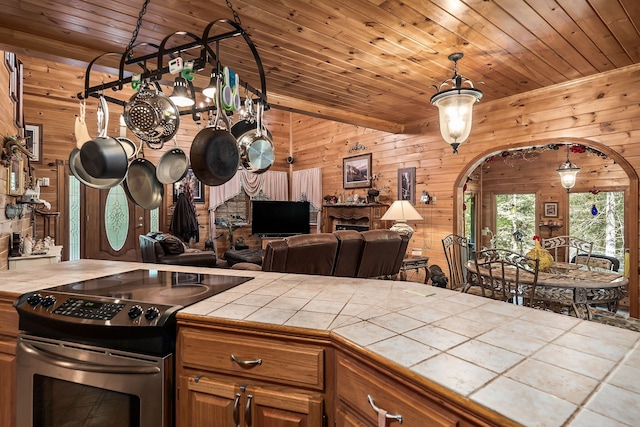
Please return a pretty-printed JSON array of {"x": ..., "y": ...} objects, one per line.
[
  {"x": 455, "y": 105},
  {"x": 568, "y": 172},
  {"x": 210, "y": 90},
  {"x": 180, "y": 95}
]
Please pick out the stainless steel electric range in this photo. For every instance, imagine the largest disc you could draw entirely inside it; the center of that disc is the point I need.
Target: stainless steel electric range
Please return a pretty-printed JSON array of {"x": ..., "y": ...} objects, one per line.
[{"x": 100, "y": 351}]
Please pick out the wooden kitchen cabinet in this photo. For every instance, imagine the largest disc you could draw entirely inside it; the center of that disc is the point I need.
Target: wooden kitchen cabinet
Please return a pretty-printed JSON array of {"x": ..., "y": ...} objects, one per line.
[
  {"x": 233, "y": 378},
  {"x": 345, "y": 419},
  {"x": 220, "y": 402},
  {"x": 358, "y": 385},
  {"x": 8, "y": 335}
]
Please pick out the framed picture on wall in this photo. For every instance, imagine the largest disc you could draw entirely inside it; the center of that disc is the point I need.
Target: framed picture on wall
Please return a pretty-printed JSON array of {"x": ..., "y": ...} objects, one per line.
[
  {"x": 551, "y": 209},
  {"x": 196, "y": 185},
  {"x": 33, "y": 138},
  {"x": 356, "y": 171},
  {"x": 15, "y": 176},
  {"x": 407, "y": 184}
]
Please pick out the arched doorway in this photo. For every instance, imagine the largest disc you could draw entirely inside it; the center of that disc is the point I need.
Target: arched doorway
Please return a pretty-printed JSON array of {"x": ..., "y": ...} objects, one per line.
[{"x": 631, "y": 199}]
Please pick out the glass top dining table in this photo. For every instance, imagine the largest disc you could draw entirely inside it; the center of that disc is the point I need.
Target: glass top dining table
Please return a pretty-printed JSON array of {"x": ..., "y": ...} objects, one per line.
[{"x": 577, "y": 285}]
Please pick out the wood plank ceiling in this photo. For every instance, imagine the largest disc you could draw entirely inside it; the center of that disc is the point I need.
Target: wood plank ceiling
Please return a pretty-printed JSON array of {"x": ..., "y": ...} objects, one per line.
[{"x": 366, "y": 62}]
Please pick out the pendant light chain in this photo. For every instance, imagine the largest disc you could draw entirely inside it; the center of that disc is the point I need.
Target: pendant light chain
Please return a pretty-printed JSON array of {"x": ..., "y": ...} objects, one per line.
[
  {"x": 134, "y": 36},
  {"x": 236, "y": 17}
]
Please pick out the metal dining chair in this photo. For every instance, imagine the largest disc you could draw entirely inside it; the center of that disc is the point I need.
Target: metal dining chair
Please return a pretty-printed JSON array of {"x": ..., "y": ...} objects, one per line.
[
  {"x": 506, "y": 275},
  {"x": 603, "y": 263},
  {"x": 456, "y": 251},
  {"x": 563, "y": 248}
]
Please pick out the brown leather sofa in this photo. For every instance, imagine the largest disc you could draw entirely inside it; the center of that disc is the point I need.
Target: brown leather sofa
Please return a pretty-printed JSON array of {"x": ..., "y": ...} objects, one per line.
[
  {"x": 349, "y": 251},
  {"x": 303, "y": 254},
  {"x": 382, "y": 253},
  {"x": 162, "y": 248},
  {"x": 344, "y": 253}
]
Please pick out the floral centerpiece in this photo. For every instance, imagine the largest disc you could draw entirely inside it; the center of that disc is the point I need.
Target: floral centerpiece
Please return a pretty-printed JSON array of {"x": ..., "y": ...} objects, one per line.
[{"x": 545, "y": 260}]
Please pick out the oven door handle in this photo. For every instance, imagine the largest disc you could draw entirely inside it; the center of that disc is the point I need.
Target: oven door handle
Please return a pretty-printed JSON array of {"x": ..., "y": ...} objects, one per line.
[{"x": 67, "y": 363}]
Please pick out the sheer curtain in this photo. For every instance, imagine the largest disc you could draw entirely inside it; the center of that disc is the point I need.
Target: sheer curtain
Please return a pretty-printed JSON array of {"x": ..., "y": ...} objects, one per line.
[
  {"x": 274, "y": 184},
  {"x": 309, "y": 182}
]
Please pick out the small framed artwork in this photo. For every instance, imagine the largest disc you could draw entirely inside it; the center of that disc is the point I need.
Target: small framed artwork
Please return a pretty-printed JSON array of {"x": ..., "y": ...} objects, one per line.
[
  {"x": 197, "y": 187},
  {"x": 15, "y": 177},
  {"x": 356, "y": 171},
  {"x": 407, "y": 184},
  {"x": 551, "y": 209},
  {"x": 33, "y": 138}
]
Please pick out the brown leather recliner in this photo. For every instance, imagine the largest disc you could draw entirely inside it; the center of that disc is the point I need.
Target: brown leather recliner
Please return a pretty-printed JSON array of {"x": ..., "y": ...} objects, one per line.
[
  {"x": 382, "y": 253},
  {"x": 349, "y": 250},
  {"x": 303, "y": 254}
]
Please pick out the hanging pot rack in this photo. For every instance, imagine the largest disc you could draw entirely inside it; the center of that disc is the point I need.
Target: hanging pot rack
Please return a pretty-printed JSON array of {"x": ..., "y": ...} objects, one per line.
[{"x": 207, "y": 56}]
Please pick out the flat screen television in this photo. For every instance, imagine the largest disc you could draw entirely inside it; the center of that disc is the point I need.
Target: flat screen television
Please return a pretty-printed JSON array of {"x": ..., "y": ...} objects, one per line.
[{"x": 278, "y": 218}]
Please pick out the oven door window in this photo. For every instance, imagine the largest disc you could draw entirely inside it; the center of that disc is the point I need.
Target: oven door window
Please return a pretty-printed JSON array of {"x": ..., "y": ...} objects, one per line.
[{"x": 58, "y": 403}]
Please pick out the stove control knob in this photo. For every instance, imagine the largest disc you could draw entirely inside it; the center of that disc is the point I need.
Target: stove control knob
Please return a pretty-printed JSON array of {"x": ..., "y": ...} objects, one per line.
[
  {"x": 151, "y": 313},
  {"x": 135, "y": 311},
  {"x": 34, "y": 299},
  {"x": 48, "y": 301}
]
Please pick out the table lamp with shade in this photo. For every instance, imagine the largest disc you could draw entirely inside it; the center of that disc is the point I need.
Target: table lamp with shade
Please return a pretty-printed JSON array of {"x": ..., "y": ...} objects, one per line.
[{"x": 401, "y": 211}]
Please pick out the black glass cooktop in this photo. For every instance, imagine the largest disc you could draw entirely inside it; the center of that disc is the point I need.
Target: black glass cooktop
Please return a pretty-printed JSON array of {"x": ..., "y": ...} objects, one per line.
[{"x": 154, "y": 286}]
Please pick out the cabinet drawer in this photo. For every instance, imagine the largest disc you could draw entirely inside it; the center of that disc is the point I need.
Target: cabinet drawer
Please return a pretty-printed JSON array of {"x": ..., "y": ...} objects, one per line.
[
  {"x": 355, "y": 383},
  {"x": 8, "y": 319},
  {"x": 281, "y": 362}
]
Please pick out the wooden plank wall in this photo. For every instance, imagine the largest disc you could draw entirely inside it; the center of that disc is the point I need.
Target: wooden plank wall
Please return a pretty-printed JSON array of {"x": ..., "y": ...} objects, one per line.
[{"x": 7, "y": 128}]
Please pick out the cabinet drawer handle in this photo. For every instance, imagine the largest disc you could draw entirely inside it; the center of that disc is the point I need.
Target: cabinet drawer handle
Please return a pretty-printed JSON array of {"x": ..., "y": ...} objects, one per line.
[
  {"x": 247, "y": 411},
  {"x": 398, "y": 418},
  {"x": 246, "y": 363},
  {"x": 236, "y": 410}
]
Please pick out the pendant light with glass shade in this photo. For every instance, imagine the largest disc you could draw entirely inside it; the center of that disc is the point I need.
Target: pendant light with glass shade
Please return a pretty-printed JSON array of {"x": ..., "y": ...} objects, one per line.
[
  {"x": 455, "y": 105},
  {"x": 568, "y": 172}
]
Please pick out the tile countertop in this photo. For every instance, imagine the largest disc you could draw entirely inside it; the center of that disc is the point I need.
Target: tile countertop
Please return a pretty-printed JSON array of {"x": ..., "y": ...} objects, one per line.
[{"x": 537, "y": 368}]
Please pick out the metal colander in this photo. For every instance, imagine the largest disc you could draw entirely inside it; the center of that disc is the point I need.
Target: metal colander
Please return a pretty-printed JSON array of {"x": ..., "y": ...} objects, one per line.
[{"x": 151, "y": 115}]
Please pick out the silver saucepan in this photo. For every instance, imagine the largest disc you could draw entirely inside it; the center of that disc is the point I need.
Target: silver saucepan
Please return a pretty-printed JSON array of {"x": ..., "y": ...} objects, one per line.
[{"x": 255, "y": 143}]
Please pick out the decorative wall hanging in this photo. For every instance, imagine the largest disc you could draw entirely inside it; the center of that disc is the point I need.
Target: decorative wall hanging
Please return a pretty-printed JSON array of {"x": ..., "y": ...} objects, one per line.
[
  {"x": 407, "y": 184},
  {"x": 551, "y": 209},
  {"x": 357, "y": 147},
  {"x": 196, "y": 185},
  {"x": 356, "y": 171},
  {"x": 33, "y": 138},
  {"x": 15, "y": 176}
]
